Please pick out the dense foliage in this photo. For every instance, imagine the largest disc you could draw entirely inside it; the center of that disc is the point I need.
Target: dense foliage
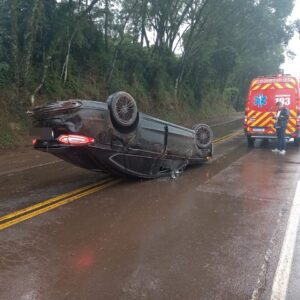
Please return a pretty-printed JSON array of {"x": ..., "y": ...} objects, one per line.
[{"x": 167, "y": 53}]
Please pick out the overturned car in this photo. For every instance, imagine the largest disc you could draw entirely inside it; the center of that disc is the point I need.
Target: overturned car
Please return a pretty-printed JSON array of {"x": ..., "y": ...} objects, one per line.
[{"x": 115, "y": 137}]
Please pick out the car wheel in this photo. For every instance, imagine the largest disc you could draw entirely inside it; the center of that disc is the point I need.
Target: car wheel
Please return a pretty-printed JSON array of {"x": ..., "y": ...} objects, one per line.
[
  {"x": 250, "y": 141},
  {"x": 203, "y": 136},
  {"x": 123, "y": 109}
]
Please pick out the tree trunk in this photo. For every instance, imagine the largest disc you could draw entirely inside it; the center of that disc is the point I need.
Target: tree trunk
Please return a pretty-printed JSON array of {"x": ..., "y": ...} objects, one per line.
[
  {"x": 180, "y": 75},
  {"x": 45, "y": 70},
  {"x": 143, "y": 25},
  {"x": 15, "y": 46},
  {"x": 30, "y": 39},
  {"x": 106, "y": 24},
  {"x": 64, "y": 72},
  {"x": 114, "y": 61},
  {"x": 188, "y": 45}
]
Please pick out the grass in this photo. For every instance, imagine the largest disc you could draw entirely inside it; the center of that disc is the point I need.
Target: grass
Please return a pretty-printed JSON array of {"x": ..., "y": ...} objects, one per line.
[
  {"x": 7, "y": 139},
  {"x": 14, "y": 130}
]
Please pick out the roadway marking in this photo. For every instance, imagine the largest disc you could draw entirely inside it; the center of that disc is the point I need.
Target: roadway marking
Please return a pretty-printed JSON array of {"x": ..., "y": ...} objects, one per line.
[
  {"x": 226, "y": 137},
  {"x": 52, "y": 203},
  {"x": 52, "y": 200},
  {"x": 240, "y": 118},
  {"x": 45, "y": 206},
  {"x": 282, "y": 275},
  {"x": 12, "y": 172}
]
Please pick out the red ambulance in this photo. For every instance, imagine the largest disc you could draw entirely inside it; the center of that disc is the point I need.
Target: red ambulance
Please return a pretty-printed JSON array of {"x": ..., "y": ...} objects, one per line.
[{"x": 260, "y": 112}]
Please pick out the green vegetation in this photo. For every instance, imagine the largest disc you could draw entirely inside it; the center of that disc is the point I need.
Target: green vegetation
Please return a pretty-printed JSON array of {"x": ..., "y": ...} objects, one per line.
[{"x": 176, "y": 57}]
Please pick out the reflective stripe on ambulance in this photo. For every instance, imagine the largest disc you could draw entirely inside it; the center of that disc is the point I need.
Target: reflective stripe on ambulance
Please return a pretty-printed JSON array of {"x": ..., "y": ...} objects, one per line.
[{"x": 267, "y": 120}]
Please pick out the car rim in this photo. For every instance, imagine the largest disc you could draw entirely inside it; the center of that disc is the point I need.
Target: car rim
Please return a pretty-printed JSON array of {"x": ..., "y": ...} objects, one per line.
[
  {"x": 124, "y": 110},
  {"x": 203, "y": 136}
]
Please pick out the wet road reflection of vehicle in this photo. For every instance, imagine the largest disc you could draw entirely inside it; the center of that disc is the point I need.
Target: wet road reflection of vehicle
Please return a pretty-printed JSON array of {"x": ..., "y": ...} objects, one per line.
[{"x": 116, "y": 138}]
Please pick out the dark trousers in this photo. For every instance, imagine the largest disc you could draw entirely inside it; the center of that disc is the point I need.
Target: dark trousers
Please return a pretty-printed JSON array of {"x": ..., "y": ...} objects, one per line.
[{"x": 281, "y": 138}]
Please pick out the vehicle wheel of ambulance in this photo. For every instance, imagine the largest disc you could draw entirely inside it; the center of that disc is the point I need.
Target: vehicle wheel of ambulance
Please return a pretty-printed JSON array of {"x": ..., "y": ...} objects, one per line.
[
  {"x": 250, "y": 141},
  {"x": 296, "y": 142}
]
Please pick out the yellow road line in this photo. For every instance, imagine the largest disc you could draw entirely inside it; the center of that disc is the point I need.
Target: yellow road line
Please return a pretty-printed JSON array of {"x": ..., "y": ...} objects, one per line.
[
  {"x": 50, "y": 204},
  {"x": 57, "y": 204},
  {"x": 226, "y": 137},
  {"x": 55, "y": 199}
]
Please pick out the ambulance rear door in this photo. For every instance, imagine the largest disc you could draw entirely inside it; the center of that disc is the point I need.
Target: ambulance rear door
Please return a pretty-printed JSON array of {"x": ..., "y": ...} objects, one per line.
[{"x": 263, "y": 97}]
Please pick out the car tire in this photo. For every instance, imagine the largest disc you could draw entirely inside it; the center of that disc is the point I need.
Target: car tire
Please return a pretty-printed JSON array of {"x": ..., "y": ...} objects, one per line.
[
  {"x": 203, "y": 136},
  {"x": 123, "y": 109},
  {"x": 250, "y": 141}
]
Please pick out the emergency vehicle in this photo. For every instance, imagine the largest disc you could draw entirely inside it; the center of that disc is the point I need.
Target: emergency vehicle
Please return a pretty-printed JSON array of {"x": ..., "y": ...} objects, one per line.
[{"x": 260, "y": 113}]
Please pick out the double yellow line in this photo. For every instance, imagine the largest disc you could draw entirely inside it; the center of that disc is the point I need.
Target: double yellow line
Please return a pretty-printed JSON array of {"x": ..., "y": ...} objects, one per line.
[
  {"x": 45, "y": 206},
  {"x": 50, "y": 204},
  {"x": 227, "y": 137}
]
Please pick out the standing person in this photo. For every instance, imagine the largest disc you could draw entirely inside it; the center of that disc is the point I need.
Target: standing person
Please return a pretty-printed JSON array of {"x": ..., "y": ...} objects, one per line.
[{"x": 282, "y": 119}]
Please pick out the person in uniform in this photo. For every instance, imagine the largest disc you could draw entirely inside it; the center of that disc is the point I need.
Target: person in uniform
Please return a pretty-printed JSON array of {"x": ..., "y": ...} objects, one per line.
[{"x": 282, "y": 119}]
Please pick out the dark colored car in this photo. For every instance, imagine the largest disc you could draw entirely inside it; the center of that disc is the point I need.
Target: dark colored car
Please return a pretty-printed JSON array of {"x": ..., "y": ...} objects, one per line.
[{"x": 114, "y": 137}]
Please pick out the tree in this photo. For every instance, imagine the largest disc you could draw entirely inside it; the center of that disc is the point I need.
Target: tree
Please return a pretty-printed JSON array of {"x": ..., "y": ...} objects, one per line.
[{"x": 159, "y": 49}]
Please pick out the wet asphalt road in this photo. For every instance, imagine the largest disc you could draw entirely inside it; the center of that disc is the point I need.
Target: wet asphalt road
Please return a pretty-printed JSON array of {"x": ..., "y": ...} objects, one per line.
[{"x": 213, "y": 233}]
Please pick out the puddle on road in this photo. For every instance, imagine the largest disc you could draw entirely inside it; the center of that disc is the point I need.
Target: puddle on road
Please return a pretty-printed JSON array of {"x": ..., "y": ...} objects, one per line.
[{"x": 222, "y": 161}]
